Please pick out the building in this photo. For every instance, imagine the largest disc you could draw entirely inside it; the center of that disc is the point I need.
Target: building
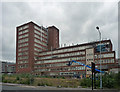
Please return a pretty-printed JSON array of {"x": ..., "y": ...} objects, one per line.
[
  {"x": 54, "y": 62},
  {"x": 38, "y": 52},
  {"x": 115, "y": 68},
  {"x": 8, "y": 67},
  {"x": 31, "y": 39}
]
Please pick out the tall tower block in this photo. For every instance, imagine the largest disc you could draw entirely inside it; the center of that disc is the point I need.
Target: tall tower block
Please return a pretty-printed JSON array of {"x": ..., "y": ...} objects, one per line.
[{"x": 30, "y": 40}]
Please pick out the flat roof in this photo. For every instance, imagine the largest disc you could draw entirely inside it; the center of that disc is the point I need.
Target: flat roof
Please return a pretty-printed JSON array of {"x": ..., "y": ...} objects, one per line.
[{"x": 78, "y": 45}]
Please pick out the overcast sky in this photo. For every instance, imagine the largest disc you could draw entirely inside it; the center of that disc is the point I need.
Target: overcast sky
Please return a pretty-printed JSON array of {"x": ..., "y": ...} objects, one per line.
[{"x": 75, "y": 20}]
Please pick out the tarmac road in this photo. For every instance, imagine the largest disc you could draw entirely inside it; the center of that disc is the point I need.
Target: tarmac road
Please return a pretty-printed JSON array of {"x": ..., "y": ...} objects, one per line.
[{"x": 7, "y": 87}]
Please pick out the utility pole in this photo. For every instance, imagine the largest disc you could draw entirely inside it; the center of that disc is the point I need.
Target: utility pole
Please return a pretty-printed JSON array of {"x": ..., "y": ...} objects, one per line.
[{"x": 100, "y": 57}]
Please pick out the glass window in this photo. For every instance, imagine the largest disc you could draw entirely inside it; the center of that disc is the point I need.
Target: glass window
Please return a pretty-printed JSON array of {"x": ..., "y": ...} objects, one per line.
[
  {"x": 24, "y": 31},
  {"x": 23, "y": 40}
]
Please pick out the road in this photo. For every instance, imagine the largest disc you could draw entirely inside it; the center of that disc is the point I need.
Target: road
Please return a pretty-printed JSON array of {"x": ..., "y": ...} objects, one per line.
[
  {"x": 25, "y": 88},
  {"x": 10, "y": 86}
]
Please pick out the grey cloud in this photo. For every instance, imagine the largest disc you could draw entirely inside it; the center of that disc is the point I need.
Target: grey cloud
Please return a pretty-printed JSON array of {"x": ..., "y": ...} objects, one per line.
[
  {"x": 84, "y": 18},
  {"x": 76, "y": 21},
  {"x": 12, "y": 15}
]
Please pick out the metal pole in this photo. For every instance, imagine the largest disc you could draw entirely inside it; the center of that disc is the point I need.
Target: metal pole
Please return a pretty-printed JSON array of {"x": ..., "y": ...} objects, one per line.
[
  {"x": 92, "y": 74},
  {"x": 100, "y": 64},
  {"x": 100, "y": 57},
  {"x": 94, "y": 80}
]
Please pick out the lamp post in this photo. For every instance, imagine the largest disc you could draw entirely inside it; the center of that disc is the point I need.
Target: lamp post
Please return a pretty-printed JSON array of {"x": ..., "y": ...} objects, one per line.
[{"x": 100, "y": 57}]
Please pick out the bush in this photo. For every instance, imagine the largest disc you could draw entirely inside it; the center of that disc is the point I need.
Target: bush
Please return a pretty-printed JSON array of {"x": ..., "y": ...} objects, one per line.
[
  {"x": 41, "y": 84},
  {"x": 3, "y": 78},
  {"x": 14, "y": 81},
  {"x": 4, "y": 81},
  {"x": 17, "y": 78},
  {"x": 109, "y": 81},
  {"x": 38, "y": 84},
  {"x": 86, "y": 82}
]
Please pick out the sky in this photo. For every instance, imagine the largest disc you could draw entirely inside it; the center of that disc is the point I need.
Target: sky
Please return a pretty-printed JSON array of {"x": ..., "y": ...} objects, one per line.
[{"x": 76, "y": 21}]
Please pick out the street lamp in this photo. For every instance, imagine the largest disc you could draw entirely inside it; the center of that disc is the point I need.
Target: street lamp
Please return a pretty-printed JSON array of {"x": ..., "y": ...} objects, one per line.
[{"x": 100, "y": 57}]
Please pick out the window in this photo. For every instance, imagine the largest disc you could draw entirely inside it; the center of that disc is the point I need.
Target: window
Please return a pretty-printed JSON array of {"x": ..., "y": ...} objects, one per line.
[
  {"x": 23, "y": 66},
  {"x": 22, "y": 45},
  {"x": 23, "y": 49},
  {"x": 37, "y": 32},
  {"x": 23, "y": 27},
  {"x": 21, "y": 58},
  {"x": 22, "y": 62},
  {"x": 41, "y": 29},
  {"x": 23, "y": 36},
  {"x": 36, "y": 49},
  {"x": 22, "y": 53},
  {"x": 38, "y": 41},
  {"x": 22, "y": 32},
  {"x": 23, "y": 40}
]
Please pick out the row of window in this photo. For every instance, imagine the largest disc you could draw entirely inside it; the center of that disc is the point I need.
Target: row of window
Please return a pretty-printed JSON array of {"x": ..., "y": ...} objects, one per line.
[
  {"x": 40, "y": 29},
  {"x": 50, "y": 65},
  {"x": 22, "y": 53},
  {"x": 63, "y": 55},
  {"x": 69, "y": 49},
  {"x": 23, "y": 40},
  {"x": 23, "y": 27},
  {"x": 62, "y": 69},
  {"x": 23, "y": 49},
  {"x": 105, "y": 55},
  {"x": 22, "y": 45},
  {"x": 23, "y": 66},
  {"x": 60, "y": 60},
  {"x": 23, "y": 36},
  {"x": 36, "y": 53},
  {"x": 53, "y": 65},
  {"x": 90, "y": 54},
  {"x": 38, "y": 50},
  {"x": 90, "y": 59},
  {"x": 38, "y": 41},
  {"x": 40, "y": 37},
  {"x": 104, "y": 61},
  {"x": 104, "y": 43},
  {"x": 23, "y": 57},
  {"x": 39, "y": 46},
  {"x": 22, "y": 32},
  {"x": 22, "y": 62},
  {"x": 40, "y": 34},
  {"x": 67, "y": 73},
  {"x": 65, "y": 50}
]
